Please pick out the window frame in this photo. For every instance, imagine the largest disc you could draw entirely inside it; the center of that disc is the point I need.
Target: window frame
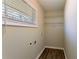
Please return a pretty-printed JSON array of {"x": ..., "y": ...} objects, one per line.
[{"x": 9, "y": 21}]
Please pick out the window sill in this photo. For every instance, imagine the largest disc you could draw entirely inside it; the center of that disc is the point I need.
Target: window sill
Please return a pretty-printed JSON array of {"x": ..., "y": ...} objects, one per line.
[{"x": 9, "y": 22}]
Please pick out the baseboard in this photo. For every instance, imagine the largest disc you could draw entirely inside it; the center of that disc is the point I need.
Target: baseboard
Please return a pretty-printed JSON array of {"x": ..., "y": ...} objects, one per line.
[
  {"x": 40, "y": 53},
  {"x": 65, "y": 54},
  {"x": 57, "y": 48},
  {"x": 50, "y": 47},
  {"x": 54, "y": 47}
]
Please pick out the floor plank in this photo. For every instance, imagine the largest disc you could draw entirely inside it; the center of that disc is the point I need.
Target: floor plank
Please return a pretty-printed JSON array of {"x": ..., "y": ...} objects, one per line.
[{"x": 52, "y": 54}]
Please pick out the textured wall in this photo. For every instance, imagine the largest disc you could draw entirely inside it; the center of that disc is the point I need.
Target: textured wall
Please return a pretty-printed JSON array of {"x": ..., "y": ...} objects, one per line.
[
  {"x": 54, "y": 29},
  {"x": 71, "y": 29}
]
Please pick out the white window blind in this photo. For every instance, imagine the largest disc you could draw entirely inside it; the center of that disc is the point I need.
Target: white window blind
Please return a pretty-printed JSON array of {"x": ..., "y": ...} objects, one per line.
[{"x": 18, "y": 16}]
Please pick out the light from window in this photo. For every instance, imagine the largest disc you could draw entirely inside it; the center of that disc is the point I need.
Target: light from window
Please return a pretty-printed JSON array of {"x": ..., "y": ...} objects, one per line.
[{"x": 16, "y": 15}]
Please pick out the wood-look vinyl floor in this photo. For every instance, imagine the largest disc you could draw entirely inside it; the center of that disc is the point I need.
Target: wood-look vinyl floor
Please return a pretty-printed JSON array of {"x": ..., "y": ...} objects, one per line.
[{"x": 52, "y": 54}]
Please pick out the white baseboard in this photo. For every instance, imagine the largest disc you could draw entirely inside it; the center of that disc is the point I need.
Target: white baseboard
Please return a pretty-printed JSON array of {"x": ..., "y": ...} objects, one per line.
[
  {"x": 50, "y": 47},
  {"x": 40, "y": 53},
  {"x": 65, "y": 54},
  {"x": 54, "y": 47},
  {"x": 57, "y": 48}
]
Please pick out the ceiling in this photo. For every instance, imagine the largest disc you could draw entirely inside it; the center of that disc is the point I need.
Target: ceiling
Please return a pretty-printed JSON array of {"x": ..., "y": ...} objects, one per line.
[{"x": 52, "y": 5}]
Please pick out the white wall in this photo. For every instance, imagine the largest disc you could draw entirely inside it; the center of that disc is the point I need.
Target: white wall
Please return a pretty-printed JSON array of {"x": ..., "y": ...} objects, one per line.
[
  {"x": 71, "y": 29},
  {"x": 16, "y": 40},
  {"x": 54, "y": 29}
]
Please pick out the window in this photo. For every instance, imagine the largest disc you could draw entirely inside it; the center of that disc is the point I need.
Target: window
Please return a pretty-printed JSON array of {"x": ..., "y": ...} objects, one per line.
[{"x": 13, "y": 16}]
